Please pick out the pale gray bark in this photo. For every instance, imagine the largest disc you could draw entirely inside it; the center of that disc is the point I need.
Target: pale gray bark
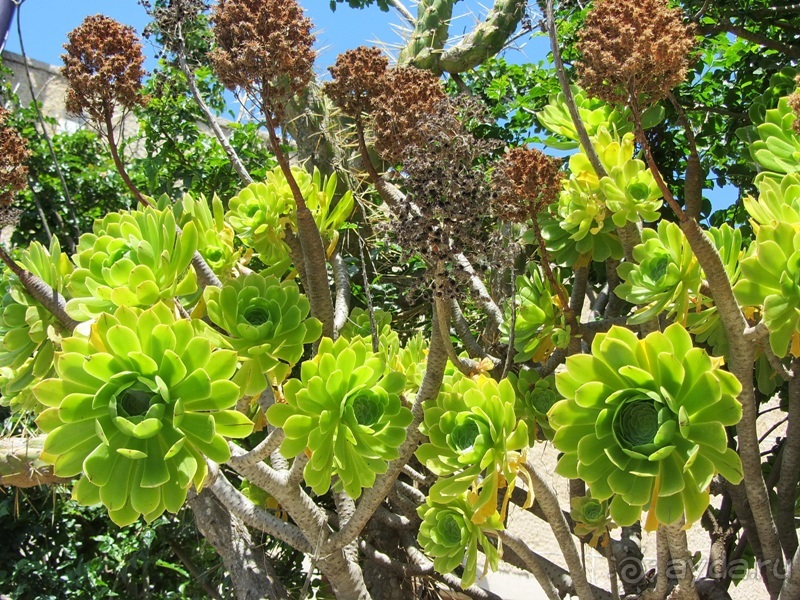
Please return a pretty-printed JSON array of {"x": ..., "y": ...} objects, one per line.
[{"x": 252, "y": 575}]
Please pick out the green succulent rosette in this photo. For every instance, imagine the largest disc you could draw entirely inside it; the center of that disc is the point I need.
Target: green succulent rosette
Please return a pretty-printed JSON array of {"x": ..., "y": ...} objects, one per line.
[
  {"x": 448, "y": 534},
  {"x": 591, "y": 517},
  {"x": 775, "y": 145},
  {"x": 778, "y": 200},
  {"x": 137, "y": 405},
  {"x": 131, "y": 259},
  {"x": 267, "y": 323},
  {"x": 476, "y": 443},
  {"x": 665, "y": 277},
  {"x": 535, "y": 397},
  {"x": 540, "y": 325},
  {"x": 260, "y": 213},
  {"x": 628, "y": 190},
  {"x": 346, "y": 411},
  {"x": 594, "y": 113},
  {"x": 771, "y": 279},
  {"x": 643, "y": 424},
  {"x": 578, "y": 226},
  {"x": 28, "y": 331},
  {"x": 215, "y": 238}
]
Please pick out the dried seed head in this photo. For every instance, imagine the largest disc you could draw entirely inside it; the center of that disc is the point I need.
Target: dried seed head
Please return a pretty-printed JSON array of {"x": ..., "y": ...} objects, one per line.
[
  {"x": 103, "y": 67},
  {"x": 634, "y": 49},
  {"x": 13, "y": 172},
  {"x": 174, "y": 22},
  {"x": 526, "y": 182},
  {"x": 445, "y": 208},
  {"x": 265, "y": 48},
  {"x": 794, "y": 103},
  {"x": 408, "y": 94},
  {"x": 358, "y": 77}
]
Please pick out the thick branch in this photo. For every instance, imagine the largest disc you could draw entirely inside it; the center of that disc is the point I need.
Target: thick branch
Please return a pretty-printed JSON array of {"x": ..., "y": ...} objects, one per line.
[
  {"x": 532, "y": 563},
  {"x": 549, "y": 503},
  {"x": 341, "y": 279},
  {"x": 790, "y": 469},
  {"x": 252, "y": 576},
  {"x": 41, "y": 292},
  {"x": 487, "y": 39}
]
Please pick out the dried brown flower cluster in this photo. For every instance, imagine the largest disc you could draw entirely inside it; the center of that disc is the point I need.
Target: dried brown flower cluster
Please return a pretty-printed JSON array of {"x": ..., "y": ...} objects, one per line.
[
  {"x": 794, "y": 103},
  {"x": 265, "y": 48},
  {"x": 409, "y": 94},
  {"x": 526, "y": 182},
  {"x": 445, "y": 209},
  {"x": 633, "y": 50},
  {"x": 358, "y": 78},
  {"x": 13, "y": 154},
  {"x": 103, "y": 67}
]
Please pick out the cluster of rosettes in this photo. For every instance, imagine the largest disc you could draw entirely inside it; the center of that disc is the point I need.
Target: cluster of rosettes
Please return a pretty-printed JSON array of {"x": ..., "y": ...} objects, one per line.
[
  {"x": 633, "y": 51},
  {"x": 28, "y": 331},
  {"x": 357, "y": 80},
  {"x": 476, "y": 447},
  {"x": 103, "y": 67},
  {"x": 132, "y": 259},
  {"x": 262, "y": 211},
  {"x": 346, "y": 411},
  {"x": 643, "y": 423},
  {"x": 267, "y": 325},
  {"x": 137, "y": 405},
  {"x": 265, "y": 48},
  {"x": 526, "y": 181},
  {"x": 13, "y": 155},
  {"x": 476, "y": 443}
]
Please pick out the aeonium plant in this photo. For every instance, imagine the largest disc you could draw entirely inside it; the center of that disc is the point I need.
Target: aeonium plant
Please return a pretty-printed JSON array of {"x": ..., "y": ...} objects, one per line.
[
  {"x": 345, "y": 410},
  {"x": 476, "y": 445},
  {"x": 131, "y": 259},
  {"x": 139, "y": 401},
  {"x": 643, "y": 424},
  {"x": 267, "y": 323},
  {"x": 448, "y": 534}
]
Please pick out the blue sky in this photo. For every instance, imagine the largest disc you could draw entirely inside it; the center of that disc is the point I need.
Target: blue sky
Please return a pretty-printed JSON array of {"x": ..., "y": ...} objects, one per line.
[{"x": 45, "y": 24}]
